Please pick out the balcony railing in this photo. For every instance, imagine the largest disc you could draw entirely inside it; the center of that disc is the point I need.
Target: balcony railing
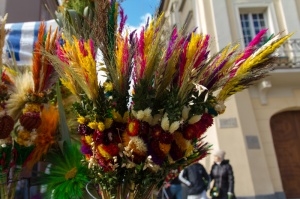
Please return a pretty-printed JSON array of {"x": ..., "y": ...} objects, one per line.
[{"x": 288, "y": 55}]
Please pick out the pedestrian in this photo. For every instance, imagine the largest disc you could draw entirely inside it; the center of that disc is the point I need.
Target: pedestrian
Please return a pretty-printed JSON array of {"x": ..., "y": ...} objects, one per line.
[
  {"x": 175, "y": 188},
  {"x": 222, "y": 176},
  {"x": 172, "y": 186},
  {"x": 164, "y": 192},
  {"x": 196, "y": 179}
]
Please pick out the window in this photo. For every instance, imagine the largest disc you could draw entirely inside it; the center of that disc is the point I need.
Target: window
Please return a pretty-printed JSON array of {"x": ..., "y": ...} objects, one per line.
[{"x": 251, "y": 24}]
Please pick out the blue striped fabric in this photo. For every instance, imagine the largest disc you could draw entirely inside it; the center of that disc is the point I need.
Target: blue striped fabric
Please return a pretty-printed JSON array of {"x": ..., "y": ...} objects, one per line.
[
  {"x": 14, "y": 38},
  {"x": 21, "y": 37}
]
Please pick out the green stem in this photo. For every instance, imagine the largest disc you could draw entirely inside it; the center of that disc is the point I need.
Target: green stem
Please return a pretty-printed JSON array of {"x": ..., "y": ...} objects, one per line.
[
  {"x": 3, "y": 185},
  {"x": 132, "y": 190},
  {"x": 13, "y": 182}
]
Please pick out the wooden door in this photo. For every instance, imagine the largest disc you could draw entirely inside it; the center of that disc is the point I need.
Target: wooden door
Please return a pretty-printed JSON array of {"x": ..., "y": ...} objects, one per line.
[{"x": 285, "y": 128}]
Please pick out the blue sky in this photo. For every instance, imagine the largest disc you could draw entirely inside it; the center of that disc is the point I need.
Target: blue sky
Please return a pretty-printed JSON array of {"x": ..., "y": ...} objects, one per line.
[{"x": 137, "y": 11}]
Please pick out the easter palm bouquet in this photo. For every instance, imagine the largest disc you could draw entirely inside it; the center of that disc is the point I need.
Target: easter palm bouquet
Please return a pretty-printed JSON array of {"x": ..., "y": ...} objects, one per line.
[
  {"x": 28, "y": 123},
  {"x": 145, "y": 99}
]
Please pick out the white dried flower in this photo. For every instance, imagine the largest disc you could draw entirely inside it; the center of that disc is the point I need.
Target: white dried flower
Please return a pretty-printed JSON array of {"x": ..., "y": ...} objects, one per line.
[
  {"x": 140, "y": 115},
  {"x": 138, "y": 143},
  {"x": 185, "y": 112},
  {"x": 130, "y": 165},
  {"x": 115, "y": 158},
  {"x": 165, "y": 123},
  {"x": 148, "y": 162},
  {"x": 149, "y": 119},
  {"x": 220, "y": 107},
  {"x": 92, "y": 162},
  {"x": 194, "y": 119},
  {"x": 147, "y": 115},
  {"x": 155, "y": 168},
  {"x": 174, "y": 126}
]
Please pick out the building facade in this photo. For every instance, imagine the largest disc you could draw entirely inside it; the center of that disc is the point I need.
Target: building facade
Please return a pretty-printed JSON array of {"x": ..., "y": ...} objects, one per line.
[
  {"x": 29, "y": 10},
  {"x": 260, "y": 130}
]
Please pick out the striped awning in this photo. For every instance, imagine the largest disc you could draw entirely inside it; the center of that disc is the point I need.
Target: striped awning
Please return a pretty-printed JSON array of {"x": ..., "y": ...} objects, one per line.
[{"x": 21, "y": 37}]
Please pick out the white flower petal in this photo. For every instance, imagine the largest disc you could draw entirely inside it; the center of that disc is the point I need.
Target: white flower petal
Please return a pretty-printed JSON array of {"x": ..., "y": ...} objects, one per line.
[
  {"x": 140, "y": 115},
  {"x": 194, "y": 119},
  {"x": 185, "y": 112},
  {"x": 174, "y": 126},
  {"x": 165, "y": 124}
]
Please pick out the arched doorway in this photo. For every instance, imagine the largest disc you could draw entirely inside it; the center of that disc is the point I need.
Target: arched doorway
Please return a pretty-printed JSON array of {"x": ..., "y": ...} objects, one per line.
[{"x": 285, "y": 128}]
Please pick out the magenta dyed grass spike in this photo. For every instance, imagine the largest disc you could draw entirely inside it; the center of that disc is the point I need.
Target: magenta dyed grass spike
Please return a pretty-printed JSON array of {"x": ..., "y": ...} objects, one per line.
[
  {"x": 252, "y": 46},
  {"x": 123, "y": 19},
  {"x": 182, "y": 61},
  {"x": 60, "y": 52},
  {"x": 125, "y": 56},
  {"x": 171, "y": 47},
  {"x": 92, "y": 47},
  {"x": 215, "y": 76},
  {"x": 203, "y": 54},
  {"x": 81, "y": 47}
]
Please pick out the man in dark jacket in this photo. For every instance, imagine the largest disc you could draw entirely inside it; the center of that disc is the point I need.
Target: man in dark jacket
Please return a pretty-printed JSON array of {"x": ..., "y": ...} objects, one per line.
[
  {"x": 222, "y": 175},
  {"x": 196, "y": 179}
]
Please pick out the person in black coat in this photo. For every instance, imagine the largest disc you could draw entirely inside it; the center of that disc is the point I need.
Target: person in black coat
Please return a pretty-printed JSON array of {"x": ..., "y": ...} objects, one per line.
[
  {"x": 196, "y": 179},
  {"x": 222, "y": 175}
]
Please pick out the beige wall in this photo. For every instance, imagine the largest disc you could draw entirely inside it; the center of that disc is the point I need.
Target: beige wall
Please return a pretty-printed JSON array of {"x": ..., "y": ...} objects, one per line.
[
  {"x": 232, "y": 141},
  {"x": 260, "y": 176},
  {"x": 288, "y": 100}
]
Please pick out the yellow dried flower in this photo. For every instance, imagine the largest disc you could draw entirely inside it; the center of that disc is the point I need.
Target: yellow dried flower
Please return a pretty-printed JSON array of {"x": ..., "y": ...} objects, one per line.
[
  {"x": 165, "y": 148},
  {"x": 108, "y": 86},
  {"x": 31, "y": 107},
  {"x": 180, "y": 141},
  {"x": 108, "y": 122},
  {"x": 116, "y": 116},
  {"x": 103, "y": 152},
  {"x": 101, "y": 126},
  {"x": 126, "y": 116},
  {"x": 93, "y": 125},
  {"x": 81, "y": 120},
  {"x": 189, "y": 149},
  {"x": 23, "y": 137},
  {"x": 88, "y": 139},
  {"x": 71, "y": 174}
]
